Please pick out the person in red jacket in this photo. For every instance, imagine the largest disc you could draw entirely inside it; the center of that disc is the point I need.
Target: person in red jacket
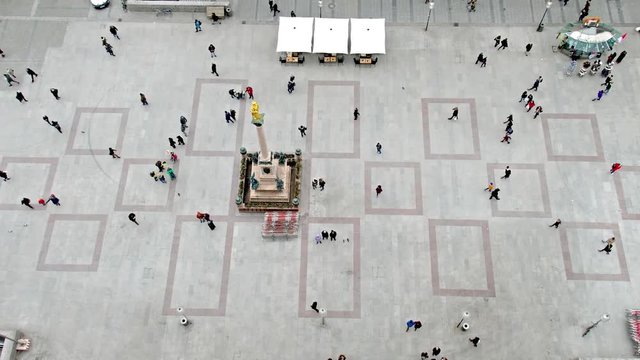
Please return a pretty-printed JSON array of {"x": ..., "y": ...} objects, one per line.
[
  {"x": 615, "y": 167},
  {"x": 249, "y": 90}
]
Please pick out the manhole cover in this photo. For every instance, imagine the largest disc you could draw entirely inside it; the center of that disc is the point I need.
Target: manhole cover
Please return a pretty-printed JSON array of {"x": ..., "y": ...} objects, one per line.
[{"x": 331, "y": 6}]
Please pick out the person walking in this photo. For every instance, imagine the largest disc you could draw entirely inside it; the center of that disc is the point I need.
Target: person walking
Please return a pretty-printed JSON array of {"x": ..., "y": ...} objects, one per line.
[
  {"x": 21, "y": 97},
  {"x": 489, "y": 187},
  {"x": 198, "y": 25},
  {"x": 270, "y": 5},
  {"x": 607, "y": 248},
  {"x": 538, "y": 111},
  {"x": 232, "y": 113},
  {"x": 325, "y": 235},
  {"x": 583, "y": 14},
  {"x": 56, "y": 126},
  {"x": 608, "y": 80},
  {"x": 132, "y": 218},
  {"x": 292, "y": 14},
  {"x": 314, "y": 306},
  {"x": 172, "y": 143},
  {"x": 494, "y": 194},
  {"x": 599, "y": 96},
  {"x": 530, "y": 105},
  {"x": 109, "y": 49},
  {"x": 32, "y": 74},
  {"x": 291, "y": 86},
  {"x": 212, "y": 50},
  {"x": 454, "y": 114},
  {"x": 527, "y": 49},
  {"x": 507, "y": 173},
  {"x": 609, "y": 241},
  {"x": 275, "y": 9},
  {"x": 332, "y": 235},
  {"x": 3, "y": 176},
  {"x": 607, "y": 88},
  {"x": 10, "y": 79},
  {"x": 55, "y": 94},
  {"x": 621, "y": 56},
  {"x": 303, "y": 130},
  {"x": 183, "y": 125},
  {"x": 159, "y": 166},
  {"x": 479, "y": 58},
  {"x": 378, "y": 190},
  {"x": 410, "y": 324},
  {"x": 54, "y": 200},
  {"x": 114, "y": 31},
  {"x": 356, "y": 113},
  {"x": 497, "y": 40},
  {"x": 143, "y": 99},
  {"x": 379, "y": 148},
  {"x": 504, "y": 43},
  {"x": 475, "y": 340},
  {"x": 556, "y": 224},
  {"x": 249, "y": 91},
  {"x": 180, "y": 140},
  {"x": 171, "y": 173},
  {"x": 523, "y": 97},
  {"x": 484, "y": 62},
  {"x": 227, "y": 117},
  {"x": 26, "y": 202},
  {"x": 509, "y": 122},
  {"x": 321, "y": 182},
  {"x": 113, "y": 154},
  {"x": 615, "y": 167},
  {"x": 214, "y": 69},
  {"x": 536, "y": 84},
  {"x": 611, "y": 57},
  {"x": 104, "y": 41}
]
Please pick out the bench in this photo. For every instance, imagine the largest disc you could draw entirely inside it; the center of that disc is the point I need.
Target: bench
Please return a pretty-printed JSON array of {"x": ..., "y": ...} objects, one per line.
[
  {"x": 175, "y": 5},
  {"x": 219, "y": 10}
]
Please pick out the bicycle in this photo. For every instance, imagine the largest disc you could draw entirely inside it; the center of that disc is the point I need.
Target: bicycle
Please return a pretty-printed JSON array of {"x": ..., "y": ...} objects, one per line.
[{"x": 163, "y": 12}]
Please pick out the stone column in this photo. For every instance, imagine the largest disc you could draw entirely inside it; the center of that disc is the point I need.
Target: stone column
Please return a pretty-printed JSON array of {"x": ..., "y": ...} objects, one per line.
[{"x": 264, "y": 150}]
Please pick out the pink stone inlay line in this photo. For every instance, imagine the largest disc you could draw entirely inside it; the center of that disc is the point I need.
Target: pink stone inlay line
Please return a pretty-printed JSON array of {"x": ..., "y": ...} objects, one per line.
[
  {"x": 197, "y": 94},
  {"x": 355, "y": 154},
  {"x": 173, "y": 262},
  {"x": 303, "y": 303},
  {"x": 617, "y": 249},
  {"x": 473, "y": 118},
  {"x": 369, "y": 188},
  {"x": 617, "y": 181},
  {"x": 124, "y": 116},
  {"x": 551, "y": 156},
  {"x": 126, "y": 164},
  {"x": 97, "y": 250},
  {"x": 544, "y": 191},
  {"x": 48, "y": 182},
  {"x": 433, "y": 250}
]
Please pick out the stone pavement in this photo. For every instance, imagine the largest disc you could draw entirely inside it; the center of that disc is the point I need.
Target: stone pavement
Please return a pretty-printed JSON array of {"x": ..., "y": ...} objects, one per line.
[{"x": 84, "y": 282}]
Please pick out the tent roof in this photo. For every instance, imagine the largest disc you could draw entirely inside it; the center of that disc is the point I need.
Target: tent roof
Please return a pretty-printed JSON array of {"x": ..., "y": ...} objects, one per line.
[
  {"x": 294, "y": 34},
  {"x": 368, "y": 36},
  {"x": 331, "y": 36}
]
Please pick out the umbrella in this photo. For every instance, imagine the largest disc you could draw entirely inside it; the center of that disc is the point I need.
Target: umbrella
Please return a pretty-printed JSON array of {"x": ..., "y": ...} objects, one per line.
[{"x": 589, "y": 39}]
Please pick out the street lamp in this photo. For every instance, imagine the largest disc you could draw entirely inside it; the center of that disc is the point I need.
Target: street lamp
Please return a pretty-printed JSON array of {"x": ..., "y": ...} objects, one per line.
[
  {"x": 541, "y": 25},
  {"x": 320, "y": 6},
  {"x": 605, "y": 317},
  {"x": 431, "y": 4}
]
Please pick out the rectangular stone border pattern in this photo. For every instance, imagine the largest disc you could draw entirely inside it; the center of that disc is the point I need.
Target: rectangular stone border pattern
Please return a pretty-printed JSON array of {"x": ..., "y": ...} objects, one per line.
[
  {"x": 53, "y": 166},
  {"x": 368, "y": 188},
  {"x": 433, "y": 250},
  {"x": 356, "y": 123},
  {"x": 551, "y": 156},
  {"x": 618, "y": 248},
  {"x": 97, "y": 250},
  {"x": 123, "y": 183},
  {"x": 124, "y": 117},
  {"x": 303, "y": 308},
  {"x": 474, "y": 129},
  {"x": 193, "y": 120},
  {"x": 544, "y": 191},
  {"x": 173, "y": 262},
  {"x": 624, "y": 210}
]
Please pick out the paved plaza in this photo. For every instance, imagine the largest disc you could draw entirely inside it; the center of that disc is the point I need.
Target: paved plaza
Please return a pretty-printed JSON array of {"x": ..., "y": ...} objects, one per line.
[{"x": 83, "y": 282}]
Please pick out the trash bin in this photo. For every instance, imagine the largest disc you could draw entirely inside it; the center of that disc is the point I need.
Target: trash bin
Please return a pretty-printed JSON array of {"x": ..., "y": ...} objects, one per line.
[{"x": 227, "y": 11}]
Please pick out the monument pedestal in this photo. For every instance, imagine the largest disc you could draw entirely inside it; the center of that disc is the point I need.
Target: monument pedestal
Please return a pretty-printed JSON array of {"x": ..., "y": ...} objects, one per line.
[{"x": 268, "y": 173}]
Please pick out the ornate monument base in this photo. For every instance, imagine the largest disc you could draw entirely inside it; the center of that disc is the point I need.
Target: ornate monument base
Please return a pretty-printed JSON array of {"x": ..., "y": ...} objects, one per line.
[{"x": 269, "y": 183}]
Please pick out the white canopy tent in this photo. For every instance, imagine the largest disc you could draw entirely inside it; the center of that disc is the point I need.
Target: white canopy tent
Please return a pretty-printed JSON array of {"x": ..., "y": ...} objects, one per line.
[
  {"x": 331, "y": 36},
  {"x": 295, "y": 34},
  {"x": 368, "y": 36}
]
